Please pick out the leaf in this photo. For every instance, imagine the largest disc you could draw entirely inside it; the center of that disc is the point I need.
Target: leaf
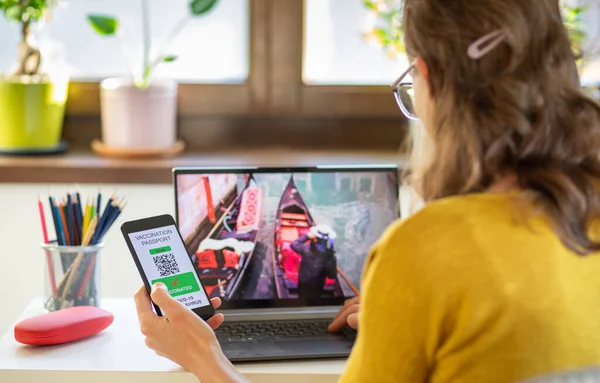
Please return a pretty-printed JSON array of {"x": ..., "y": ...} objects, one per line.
[
  {"x": 200, "y": 7},
  {"x": 14, "y": 13},
  {"x": 382, "y": 34},
  {"x": 578, "y": 37},
  {"x": 29, "y": 11},
  {"x": 32, "y": 14},
  {"x": 371, "y": 5},
  {"x": 104, "y": 25},
  {"x": 169, "y": 59}
]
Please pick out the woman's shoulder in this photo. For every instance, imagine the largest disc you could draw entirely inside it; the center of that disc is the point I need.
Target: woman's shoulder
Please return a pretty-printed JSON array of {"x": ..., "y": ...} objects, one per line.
[
  {"x": 441, "y": 237},
  {"x": 449, "y": 217}
]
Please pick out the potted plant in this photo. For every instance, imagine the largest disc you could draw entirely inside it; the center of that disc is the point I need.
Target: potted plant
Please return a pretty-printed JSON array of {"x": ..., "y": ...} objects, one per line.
[
  {"x": 32, "y": 102},
  {"x": 139, "y": 113}
]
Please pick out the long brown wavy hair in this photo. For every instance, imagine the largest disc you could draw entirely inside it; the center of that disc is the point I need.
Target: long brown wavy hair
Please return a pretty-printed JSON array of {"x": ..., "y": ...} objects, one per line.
[{"x": 520, "y": 110}]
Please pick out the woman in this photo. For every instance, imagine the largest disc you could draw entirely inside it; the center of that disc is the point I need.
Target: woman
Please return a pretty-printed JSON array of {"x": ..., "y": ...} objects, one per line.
[{"x": 496, "y": 279}]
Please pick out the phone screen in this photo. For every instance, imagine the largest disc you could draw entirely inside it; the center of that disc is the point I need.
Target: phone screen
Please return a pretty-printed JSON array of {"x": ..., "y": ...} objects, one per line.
[{"x": 164, "y": 258}]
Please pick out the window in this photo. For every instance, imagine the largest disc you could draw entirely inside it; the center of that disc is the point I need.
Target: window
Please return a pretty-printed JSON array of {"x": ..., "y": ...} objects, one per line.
[
  {"x": 242, "y": 60},
  {"x": 591, "y": 68},
  {"x": 323, "y": 181},
  {"x": 345, "y": 184},
  {"x": 337, "y": 53},
  {"x": 366, "y": 185},
  {"x": 342, "y": 75},
  {"x": 219, "y": 40}
]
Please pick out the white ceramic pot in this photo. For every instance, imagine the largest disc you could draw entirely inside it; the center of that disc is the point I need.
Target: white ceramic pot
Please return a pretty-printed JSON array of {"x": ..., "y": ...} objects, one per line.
[{"x": 138, "y": 119}]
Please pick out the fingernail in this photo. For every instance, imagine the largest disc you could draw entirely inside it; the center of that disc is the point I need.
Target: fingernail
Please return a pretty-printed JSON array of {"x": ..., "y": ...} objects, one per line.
[{"x": 159, "y": 285}]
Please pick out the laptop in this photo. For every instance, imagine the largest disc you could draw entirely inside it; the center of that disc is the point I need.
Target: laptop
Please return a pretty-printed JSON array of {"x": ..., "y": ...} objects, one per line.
[{"x": 283, "y": 248}]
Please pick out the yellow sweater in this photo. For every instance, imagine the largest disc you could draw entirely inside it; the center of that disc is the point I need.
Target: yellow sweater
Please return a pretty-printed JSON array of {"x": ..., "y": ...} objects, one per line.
[{"x": 464, "y": 291}]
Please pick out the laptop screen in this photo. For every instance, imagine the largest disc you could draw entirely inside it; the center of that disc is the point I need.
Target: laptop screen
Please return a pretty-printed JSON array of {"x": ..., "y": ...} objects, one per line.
[{"x": 283, "y": 237}]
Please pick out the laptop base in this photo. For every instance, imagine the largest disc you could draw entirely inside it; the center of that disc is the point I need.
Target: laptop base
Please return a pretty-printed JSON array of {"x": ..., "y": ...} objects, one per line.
[{"x": 330, "y": 347}]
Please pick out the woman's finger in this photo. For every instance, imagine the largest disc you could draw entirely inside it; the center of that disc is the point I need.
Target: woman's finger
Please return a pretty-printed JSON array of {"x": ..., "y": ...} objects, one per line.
[
  {"x": 348, "y": 302},
  {"x": 143, "y": 304},
  {"x": 340, "y": 322},
  {"x": 160, "y": 296},
  {"x": 216, "y": 321},
  {"x": 353, "y": 320},
  {"x": 216, "y": 302}
]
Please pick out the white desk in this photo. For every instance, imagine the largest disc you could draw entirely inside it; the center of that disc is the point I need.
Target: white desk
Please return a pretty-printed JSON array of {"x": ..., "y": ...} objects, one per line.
[{"x": 119, "y": 355}]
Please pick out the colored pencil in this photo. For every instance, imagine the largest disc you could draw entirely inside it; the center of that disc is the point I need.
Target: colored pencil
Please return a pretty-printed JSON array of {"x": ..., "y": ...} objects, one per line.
[
  {"x": 61, "y": 238},
  {"x": 54, "y": 220},
  {"x": 77, "y": 219},
  {"x": 102, "y": 220},
  {"x": 78, "y": 223},
  {"x": 91, "y": 265},
  {"x": 114, "y": 206},
  {"x": 86, "y": 278},
  {"x": 43, "y": 220},
  {"x": 76, "y": 239},
  {"x": 65, "y": 228},
  {"x": 80, "y": 209},
  {"x": 79, "y": 258},
  {"x": 70, "y": 218},
  {"x": 92, "y": 292},
  {"x": 113, "y": 217},
  {"x": 86, "y": 217},
  {"x": 51, "y": 273},
  {"x": 117, "y": 208},
  {"x": 60, "y": 234},
  {"x": 99, "y": 203},
  {"x": 72, "y": 271},
  {"x": 92, "y": 212}
]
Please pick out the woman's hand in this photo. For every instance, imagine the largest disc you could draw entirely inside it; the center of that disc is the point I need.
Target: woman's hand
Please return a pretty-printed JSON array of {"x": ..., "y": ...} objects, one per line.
[
  {"x": 183, "y": 337},
  {"x": 347, "y": 316}
]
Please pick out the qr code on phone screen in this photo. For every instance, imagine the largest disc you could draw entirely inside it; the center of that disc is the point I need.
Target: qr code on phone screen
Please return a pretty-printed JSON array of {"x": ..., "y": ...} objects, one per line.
[{"x": 166, "y": 264}]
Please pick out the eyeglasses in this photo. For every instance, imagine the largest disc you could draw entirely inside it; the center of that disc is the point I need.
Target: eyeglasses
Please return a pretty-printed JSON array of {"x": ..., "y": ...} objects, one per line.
[
  {"x": 404, "y": 94},
  {"x": 403, "y": 87}
]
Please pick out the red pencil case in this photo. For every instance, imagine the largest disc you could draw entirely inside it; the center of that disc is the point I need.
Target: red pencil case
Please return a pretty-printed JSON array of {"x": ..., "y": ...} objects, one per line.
[{"x": 63, "y": 326}]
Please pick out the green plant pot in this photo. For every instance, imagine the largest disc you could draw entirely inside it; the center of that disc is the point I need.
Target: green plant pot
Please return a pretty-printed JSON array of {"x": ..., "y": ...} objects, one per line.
[{"x": 31, "y": 113}]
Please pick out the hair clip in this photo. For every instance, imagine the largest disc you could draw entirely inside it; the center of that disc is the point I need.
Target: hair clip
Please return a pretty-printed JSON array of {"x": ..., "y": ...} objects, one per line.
[{"x": 478, "y": 49}]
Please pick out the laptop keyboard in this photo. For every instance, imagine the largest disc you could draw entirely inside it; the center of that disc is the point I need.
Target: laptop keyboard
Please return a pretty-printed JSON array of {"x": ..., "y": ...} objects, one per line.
[{"x": 273, "y": 330}]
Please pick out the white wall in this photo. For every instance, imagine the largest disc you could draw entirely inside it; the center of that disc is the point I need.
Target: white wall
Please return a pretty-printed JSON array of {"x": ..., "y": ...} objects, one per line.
[{"x": 22, "y": 261}]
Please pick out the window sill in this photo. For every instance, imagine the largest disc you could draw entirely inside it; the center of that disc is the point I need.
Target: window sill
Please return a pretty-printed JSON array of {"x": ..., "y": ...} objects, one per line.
[{"x": 86, "y": 167}]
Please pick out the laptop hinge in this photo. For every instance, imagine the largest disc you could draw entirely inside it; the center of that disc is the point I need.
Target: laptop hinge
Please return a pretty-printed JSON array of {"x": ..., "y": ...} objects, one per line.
[{"x": 280, "y": 314}]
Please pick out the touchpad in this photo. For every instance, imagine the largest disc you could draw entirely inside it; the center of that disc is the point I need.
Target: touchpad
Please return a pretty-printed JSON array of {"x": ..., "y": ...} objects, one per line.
[
  {"x": 314, "y": 346},
  {"x": 250, "y": 349}
]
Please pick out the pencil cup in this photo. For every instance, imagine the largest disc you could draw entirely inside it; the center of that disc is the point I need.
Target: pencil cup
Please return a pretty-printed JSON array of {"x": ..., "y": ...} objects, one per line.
[{"x": 72, "y": 276}]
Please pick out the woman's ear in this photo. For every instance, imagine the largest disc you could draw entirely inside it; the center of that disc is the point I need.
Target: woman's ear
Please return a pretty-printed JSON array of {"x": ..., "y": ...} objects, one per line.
[
  {"x": 423, "y": 71},
  {"x": 422, "y": 68}
]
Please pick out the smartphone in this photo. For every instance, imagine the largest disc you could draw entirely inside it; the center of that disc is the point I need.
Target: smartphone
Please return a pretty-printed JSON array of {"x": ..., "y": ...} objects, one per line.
[{"x": 161, "y": 256}]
